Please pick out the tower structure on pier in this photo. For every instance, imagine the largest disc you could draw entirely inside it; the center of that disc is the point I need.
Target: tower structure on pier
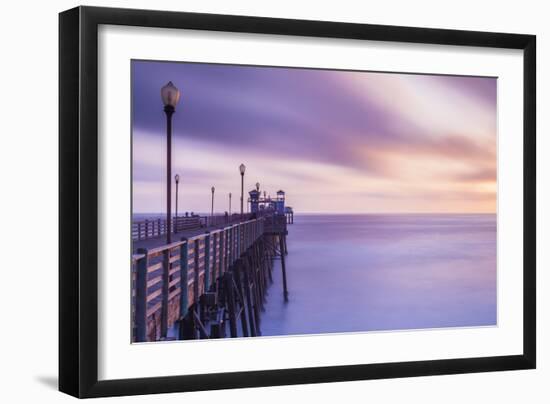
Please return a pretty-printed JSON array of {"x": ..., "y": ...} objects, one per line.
[
  {"x": 279, "y": 202},
  {"x": 266, "y": 204},
  {"x": 254, "y": 201}
]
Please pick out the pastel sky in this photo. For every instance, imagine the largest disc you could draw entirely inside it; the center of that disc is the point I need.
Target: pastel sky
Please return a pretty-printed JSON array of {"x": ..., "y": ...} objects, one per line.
[{"x": 334, "y": 141}]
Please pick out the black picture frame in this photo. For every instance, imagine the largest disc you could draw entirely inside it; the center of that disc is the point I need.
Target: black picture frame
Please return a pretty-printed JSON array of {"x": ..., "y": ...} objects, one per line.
[{"x": 78, "y": 195}]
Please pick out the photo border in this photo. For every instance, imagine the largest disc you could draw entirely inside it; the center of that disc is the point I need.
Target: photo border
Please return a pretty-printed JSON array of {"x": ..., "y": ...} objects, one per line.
[{"x": 78, "y": 178}]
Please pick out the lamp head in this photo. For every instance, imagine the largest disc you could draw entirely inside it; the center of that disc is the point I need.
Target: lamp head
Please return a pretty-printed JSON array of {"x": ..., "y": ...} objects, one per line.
[
  {"x": 242, "y": 169},
  {"x": 170, "y": 95}
]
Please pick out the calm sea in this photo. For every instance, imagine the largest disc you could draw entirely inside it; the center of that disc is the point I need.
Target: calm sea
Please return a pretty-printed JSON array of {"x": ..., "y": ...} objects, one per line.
[{"x": 385, "y": 272}]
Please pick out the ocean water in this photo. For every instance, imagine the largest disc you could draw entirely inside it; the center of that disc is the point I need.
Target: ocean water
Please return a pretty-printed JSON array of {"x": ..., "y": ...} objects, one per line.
[{"x": 352, "y": 273}]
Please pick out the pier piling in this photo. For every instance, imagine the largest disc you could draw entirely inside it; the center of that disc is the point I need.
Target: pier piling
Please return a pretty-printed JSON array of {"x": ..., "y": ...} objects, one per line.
[{"x": 283, "y": 266}]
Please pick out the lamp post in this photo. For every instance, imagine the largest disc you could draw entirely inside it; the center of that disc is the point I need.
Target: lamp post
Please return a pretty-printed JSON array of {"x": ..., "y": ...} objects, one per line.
[
  {"x": 212, "y": 210},
  {"x": 242, "y": 169},
  {"x": 170, "y": 96},
  {"x": 258, "y": 191},
  {"x": 177, "y": 179},
  {"x": 230, "y": 204}
]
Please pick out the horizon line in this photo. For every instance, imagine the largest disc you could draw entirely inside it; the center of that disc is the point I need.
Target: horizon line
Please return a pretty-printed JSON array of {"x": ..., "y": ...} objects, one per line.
[{"x": 350, "y": 213}]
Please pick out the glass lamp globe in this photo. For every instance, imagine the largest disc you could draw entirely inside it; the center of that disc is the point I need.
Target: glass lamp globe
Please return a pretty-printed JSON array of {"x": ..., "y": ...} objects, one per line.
[
  {"x": 177, "y": 177},
  {"x": 170, "y": 95},
  {"x": 242, "y": 168}
]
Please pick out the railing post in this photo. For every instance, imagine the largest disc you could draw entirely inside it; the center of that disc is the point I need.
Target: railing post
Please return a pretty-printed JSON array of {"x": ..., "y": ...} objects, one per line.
[
  {"x": 165, "y": 281},
  {"x": 214, "y": 259},
  {"x": 245, "y": 236},
  {"x": 184, "y": 293},
  {"x": 207, "y": 262},
  {"x": 227, "y": 249},
  {"x": 140, "y": 320},
  {"x": 222, "y": 252},
  {"x": 196, "y": 289},
  {"x": 146, "y": 228},
  {"x": 241, "y": 238},
  {"x": 231, "y": 245},
  {"x": 239, "y": 244},
  {"x": 235, "y": 244}
]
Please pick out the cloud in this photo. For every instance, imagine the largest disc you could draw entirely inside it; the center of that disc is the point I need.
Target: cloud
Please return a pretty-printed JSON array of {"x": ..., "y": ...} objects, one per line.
[
  {"x": 478, "y": 175},
  {"x": 307, "y": 130}
]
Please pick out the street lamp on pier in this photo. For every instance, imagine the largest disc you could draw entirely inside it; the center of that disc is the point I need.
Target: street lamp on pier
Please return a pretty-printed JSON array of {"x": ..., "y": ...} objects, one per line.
[
  {"x": 212, "y": 210},
  {"x": 258, "y": 192},
  {"x": 242, "y": 169},
  {"x": 230, "y": 204},
  {"x": 170, "y": 96}
]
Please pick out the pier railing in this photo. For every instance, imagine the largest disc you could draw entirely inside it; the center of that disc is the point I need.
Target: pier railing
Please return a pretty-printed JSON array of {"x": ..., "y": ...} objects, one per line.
[
  {"x": 151, "y": 228},
  {"x": 220, "y": 220},
  {"x": 167, "y": 280}
]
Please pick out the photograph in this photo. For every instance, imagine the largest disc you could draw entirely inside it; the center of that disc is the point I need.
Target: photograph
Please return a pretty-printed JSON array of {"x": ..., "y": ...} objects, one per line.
[{"x": 272, "y": 201}]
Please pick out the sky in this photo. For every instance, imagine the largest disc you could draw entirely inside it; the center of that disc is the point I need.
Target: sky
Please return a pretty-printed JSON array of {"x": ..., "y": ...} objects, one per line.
[{"x": 334, "y": 141}]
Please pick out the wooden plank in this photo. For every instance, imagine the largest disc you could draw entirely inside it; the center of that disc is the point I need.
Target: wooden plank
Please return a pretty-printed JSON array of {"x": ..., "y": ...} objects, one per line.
[
  {"x": 140, "y": 313},
  {"x": 151, "y": 296},
  {"x": 137, "y": 257},
  {"x": 159, "y": 250},
  {"x": 154, "y": 309},
  {"x": 154, "y": 281},
  {"x": 174, "y": 294},
  {"x": 174, "y": 282},
  {"x": 154, "y": 267},
  {"x": 175, "y": 269}
]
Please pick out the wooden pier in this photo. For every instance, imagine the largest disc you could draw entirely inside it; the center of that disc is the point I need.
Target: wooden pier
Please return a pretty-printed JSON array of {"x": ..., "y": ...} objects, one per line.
[{"x": 210, "y": 285}]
